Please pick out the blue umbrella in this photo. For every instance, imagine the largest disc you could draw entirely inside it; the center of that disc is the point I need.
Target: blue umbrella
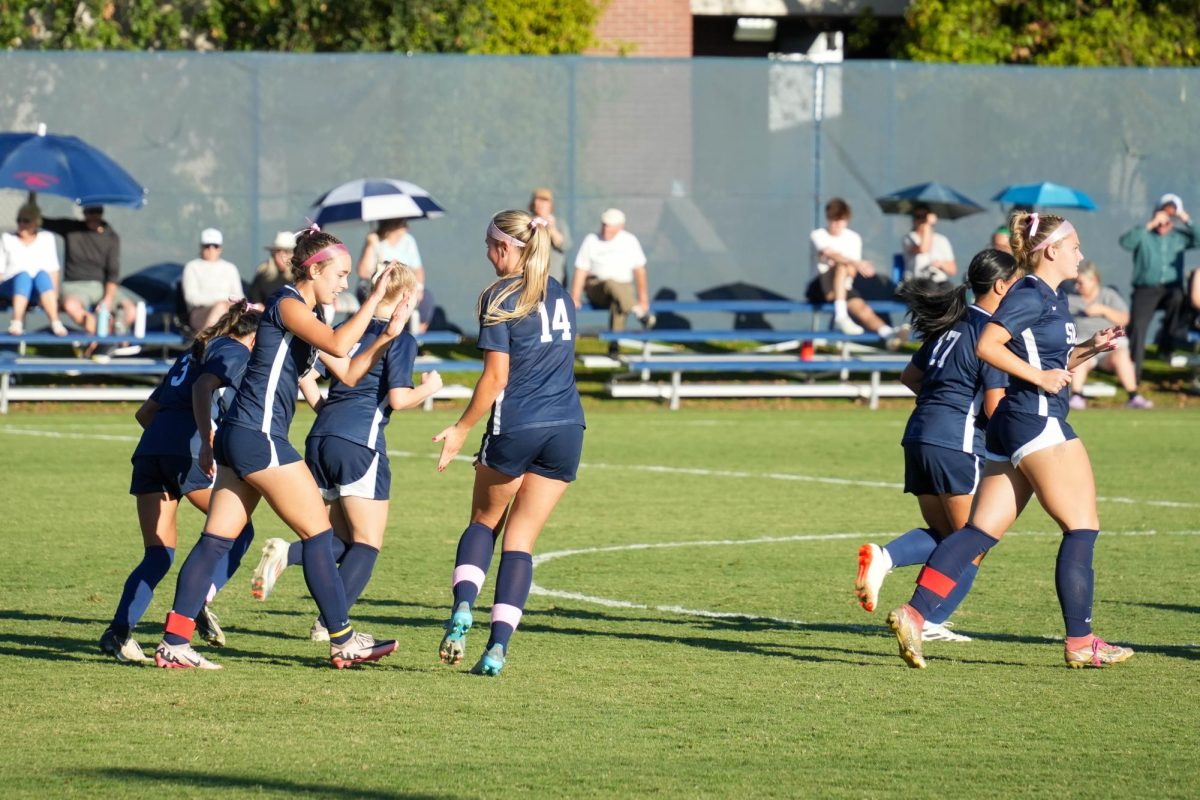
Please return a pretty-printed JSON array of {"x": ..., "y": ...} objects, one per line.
[
  {"x": 1046, "y": 194},
  {"x": 370, "y": 199},
  {"x": 941, "y": 200},
  {"x": 66, "y": 166}
]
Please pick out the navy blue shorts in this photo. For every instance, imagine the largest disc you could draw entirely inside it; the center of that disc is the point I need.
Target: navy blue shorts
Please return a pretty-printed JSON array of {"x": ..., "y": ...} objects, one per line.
[
  {"x": 175, "y": 475},
  {"x": 930, "y": 469},
  {"x": 551, "y": 452},
  {"x": 245, "y": 451},
  {"x": 1013, "y": 435},
  {"x": 345, "y": 469}
]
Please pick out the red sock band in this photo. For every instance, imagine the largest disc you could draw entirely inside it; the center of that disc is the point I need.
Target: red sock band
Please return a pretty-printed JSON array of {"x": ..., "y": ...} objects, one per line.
[
  {"x": 935, "y": 582},
  {"x": 180, "y": 625}
]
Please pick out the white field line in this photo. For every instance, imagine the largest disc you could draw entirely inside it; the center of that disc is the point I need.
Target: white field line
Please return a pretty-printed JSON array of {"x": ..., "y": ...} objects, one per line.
[{"x": 648, "y": 468}]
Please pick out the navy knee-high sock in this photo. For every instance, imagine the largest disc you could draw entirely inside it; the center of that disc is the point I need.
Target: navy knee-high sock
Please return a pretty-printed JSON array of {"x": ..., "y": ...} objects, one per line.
[
  {"x": 139, "y": 588},
  {"x": 956, "y": 596},
  {"x": 910, "y": 548},
  {"x": 321, "y": 576},
  {"x": 356, "y": 571},
  {"x": 513, "y": 580},
  {"x": 1075, "y": 581},
  {"x": 471, "y": 562},
  {"x": 296, "y": 551},
  {"x": 192, "y": 587},
  {"x": 230, "y": 562},
  {"x": 944, "y": 568}
]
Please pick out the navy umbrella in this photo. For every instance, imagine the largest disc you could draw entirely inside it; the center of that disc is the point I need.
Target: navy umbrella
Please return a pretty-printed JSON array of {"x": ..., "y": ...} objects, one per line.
[
  {"x": 941, "y": 200},
  {"x": 370, "y": 199},
  {"x": 66, "y": 166},
  {"x": 1046, "y": 195}
]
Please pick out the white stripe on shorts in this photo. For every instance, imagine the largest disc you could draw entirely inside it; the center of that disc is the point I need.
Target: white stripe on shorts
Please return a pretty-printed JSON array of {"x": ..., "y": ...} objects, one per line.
[{"x": 1051, "y": 435}]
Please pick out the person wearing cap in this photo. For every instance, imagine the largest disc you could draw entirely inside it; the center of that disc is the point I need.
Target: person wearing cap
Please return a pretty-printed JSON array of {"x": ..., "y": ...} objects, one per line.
[
  {"x": 542, "y": 205},
  {"x": 209, "y": 283},
  {"x": 275, "y": 272},
  {"x": 1158, "y": 247},
  {"x": 1000, "y": 239},
  {"x": 91, "y": 271},
  {"x": 610, "y": 268}
]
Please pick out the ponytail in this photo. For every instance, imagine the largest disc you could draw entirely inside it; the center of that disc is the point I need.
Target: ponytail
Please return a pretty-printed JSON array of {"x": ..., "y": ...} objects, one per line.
[
  {"x": 533, "y": 269},
  {"x": 933, "y": 307},
  {"x": 241, "y": 319}
]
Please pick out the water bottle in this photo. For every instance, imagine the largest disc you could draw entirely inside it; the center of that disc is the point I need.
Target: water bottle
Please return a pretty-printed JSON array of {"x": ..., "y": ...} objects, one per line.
[
  {"x": 103, "y": 319},
  {"x": 139, "y": 321}
]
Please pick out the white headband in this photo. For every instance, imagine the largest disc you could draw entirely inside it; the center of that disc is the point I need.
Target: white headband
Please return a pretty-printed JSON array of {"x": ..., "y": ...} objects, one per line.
[{"x": 500, "y": 236}]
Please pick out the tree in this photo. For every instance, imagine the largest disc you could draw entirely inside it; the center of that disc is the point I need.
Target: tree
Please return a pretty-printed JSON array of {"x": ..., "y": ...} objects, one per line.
[{"x": 1053, "y": 32}]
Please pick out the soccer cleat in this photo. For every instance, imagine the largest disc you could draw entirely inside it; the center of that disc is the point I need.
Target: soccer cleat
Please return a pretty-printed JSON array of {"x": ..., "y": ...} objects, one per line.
[
  {"x": 360, "y": 649},
  {"x": 873, "y": 566},
  {"x": 1097, "y": 654},
  {"x": 847, "y": 326},
  {"x": 318, "y": 632},
  {"x": 208, "y": 626},
  {"x": 455, "y": 641},
  {"x": 270, "y": 567},
  {"x": 933, "y": 632},
  {"x": 491, "y": 662},
  {"x": 127, "y": 652},
  {"x": 904, "y": 623},
  {"x": 180, "y": 656}
]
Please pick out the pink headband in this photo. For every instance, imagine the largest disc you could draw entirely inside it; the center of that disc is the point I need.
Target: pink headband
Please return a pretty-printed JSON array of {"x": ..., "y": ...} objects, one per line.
[
  {"x": 500, "y": 236},
  {"x": 1061, "y": 232},
  {"x": 327, "y": 252},
  {"x": 259, "y": 307}
]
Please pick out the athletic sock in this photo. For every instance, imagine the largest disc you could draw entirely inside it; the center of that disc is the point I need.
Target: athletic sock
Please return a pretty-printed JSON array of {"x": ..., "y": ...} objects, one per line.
[
  {"x": 955, "y": 598},
  {"x": 839, "y": 309},
  {"x": 139, "y": 588},
  {"x": 356, "y": 571},
  {"x": 885, "y": 331},
  {"x": 1074, "y": 580},
  {"x": 325, "y": 586},
  {"x": 195, "y": 578},
  {"x": 914, "y": 547},
  {"x": 230, "y": 562},
  {"x": 947, "y": 564},
  {"x": 296, "y": 551},
  {"x": 471, "y": 562},
  {"x": 513, "y": 580}
]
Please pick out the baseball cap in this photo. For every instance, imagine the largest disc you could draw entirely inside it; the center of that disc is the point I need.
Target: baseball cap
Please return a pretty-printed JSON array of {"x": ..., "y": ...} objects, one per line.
[
  {"x": 1171, "y": 199},
  {"x": 542, "y": 193},
  {"x": 613, "y": 216},
  {"x": 211, "y": 236},
  {"x": 284, "y": 240}
]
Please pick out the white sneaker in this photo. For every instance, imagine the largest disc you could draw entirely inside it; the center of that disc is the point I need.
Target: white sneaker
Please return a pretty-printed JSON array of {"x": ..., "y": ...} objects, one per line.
[
  {"x": 180, "y": 656},
  {"x": 933, "y": 632},
  {"x": 847, "y": 326},
  {"x": 1178, "y": 361},
  {"x": 16, "y": 328},
  {"x": 874, "y": 564},
  {"x": 270, "y": 567},
  {"x": 318, "y": 632}
]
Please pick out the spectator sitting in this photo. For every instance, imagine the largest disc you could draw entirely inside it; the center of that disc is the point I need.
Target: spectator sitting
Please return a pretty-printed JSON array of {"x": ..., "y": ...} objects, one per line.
[
  {"x": 30, "y": 263},
  {"x": 1000, "y": 239},
  {"x": 274, "y": 273},
  {"x": 91, "y": 271},
  {"x": 610, "y": 268},
  {"x": 1096, "y": 307},
  {"x": 210, "y": 283},
  {"x": 542, "y": 205},
  {"x": 1194, "y": 297},
  {"x": 391, "y": 241},
  {"x": 927, "y": 254}
]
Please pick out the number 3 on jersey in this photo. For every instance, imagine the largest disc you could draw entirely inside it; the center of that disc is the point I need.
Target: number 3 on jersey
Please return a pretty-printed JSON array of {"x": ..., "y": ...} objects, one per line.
[{"x": 561, "y": 321}]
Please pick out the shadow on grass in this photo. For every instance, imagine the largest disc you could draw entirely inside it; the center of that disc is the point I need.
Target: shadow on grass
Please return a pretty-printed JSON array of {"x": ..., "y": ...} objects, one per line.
[
  {"x": 1160, "y": 606},
  {"x": 25, "y": 616},
  {"x": 193, "y": 780}
]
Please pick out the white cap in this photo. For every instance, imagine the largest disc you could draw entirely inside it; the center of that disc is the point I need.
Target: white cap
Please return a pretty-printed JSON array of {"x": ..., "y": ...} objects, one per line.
[
  {"x": 211, "y": 236},
  {"x": 284, "y": 240},
  {"x": 1171, "y": 199},
  {"x": 613, "y": 216}
]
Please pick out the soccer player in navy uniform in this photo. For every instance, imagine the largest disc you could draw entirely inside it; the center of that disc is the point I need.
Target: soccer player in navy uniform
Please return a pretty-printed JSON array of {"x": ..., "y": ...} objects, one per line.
[
  {"x": 944, "y": 439},
  {"x": 257, "y": 461},
  {"x": 534, "y": 436},
  {"x": 346, "y": 449},
  {"x": 166, "y": 468},
  {"x": 1031, "y": 449}
]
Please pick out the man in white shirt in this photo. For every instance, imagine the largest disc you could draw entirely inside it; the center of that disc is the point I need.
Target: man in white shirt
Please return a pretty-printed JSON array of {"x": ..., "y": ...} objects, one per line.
[
  {"x": 839, "y": 260},
  {"x": 927, "y": 254},
  {"x": 209, "y": 283},
  {"x": 609, "y": 268}
]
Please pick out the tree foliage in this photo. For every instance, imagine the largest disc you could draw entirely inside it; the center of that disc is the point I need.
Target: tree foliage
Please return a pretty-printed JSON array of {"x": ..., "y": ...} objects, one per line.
[
  {"x": 1054, "y": 32},
  {"x": 302, "y": 26}
]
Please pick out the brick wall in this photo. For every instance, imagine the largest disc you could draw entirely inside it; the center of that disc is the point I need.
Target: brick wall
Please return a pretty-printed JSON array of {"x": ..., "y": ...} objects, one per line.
[{"x": 647, "y": 28}]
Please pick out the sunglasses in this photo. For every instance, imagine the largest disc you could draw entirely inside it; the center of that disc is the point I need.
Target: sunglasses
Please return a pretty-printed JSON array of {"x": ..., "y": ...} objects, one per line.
[
  {"x": 23, "y": 220},
  {"x": 206, "y": 246}
]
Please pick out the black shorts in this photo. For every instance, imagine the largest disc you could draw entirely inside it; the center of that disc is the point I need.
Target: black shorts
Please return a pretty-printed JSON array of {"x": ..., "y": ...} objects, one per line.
[
  {"x": 816, "y": 295},
  {"x": 552, "y": 452}
]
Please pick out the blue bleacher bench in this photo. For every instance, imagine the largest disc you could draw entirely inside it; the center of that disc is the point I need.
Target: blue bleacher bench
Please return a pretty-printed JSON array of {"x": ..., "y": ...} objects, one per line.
[{"x": 763, "y": 307}]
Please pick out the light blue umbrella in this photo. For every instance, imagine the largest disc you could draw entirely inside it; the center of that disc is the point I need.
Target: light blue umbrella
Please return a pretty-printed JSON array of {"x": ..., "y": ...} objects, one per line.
[{"x": 1045, "y": 194}]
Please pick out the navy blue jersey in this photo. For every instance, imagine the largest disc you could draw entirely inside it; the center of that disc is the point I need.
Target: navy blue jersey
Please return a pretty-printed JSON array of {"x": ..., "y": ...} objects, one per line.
[
  {"x": 266, "y": 398},
  {"x": 172, "y": 431},
  {"x": 952, "y": 388},
  {"x": 360, "y": 413},
  {"x": 541, "y": 368},
  {"x": 1043, "y": 334}
]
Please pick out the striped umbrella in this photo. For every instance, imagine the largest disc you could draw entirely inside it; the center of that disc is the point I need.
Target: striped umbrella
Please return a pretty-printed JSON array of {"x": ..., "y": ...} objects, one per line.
[{"x": 370, "y": 199}]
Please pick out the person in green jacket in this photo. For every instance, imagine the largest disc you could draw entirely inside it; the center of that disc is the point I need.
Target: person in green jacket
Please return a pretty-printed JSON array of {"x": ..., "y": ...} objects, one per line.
[{"x": 1157, "y": 248}]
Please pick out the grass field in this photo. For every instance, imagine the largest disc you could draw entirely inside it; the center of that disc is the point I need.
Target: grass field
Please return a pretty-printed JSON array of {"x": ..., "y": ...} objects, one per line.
[{"x": 732, "y": 663}]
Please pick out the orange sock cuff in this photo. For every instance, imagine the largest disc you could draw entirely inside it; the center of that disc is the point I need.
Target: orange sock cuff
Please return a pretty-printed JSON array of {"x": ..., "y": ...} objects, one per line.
[{"x": 180, "y": 625}]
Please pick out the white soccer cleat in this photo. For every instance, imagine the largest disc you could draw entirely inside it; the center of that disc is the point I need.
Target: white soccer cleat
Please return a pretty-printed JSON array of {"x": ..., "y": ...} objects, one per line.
[
  {"x": 127, "y": 652},
  {"x": 933, "y": 632},
  {"x": 873, "y": 566},
  {"x": 270, "y": 567},
  {"x": 361, "y": 648},
  {"x": 181, "y": 656},
  {"x": 318, "y": 632}
]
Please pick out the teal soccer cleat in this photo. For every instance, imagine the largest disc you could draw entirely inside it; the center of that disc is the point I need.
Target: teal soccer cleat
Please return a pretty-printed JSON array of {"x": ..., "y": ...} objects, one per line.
[
  {"x": 491, "y": 662},
  {"x": 455, "y": 641}
]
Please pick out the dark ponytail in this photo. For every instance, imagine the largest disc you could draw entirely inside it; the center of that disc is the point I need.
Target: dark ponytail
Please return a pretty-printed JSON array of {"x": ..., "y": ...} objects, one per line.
[
  {"x": 241, "y": 319},
  {"x": 987, "y": 267},
  {"x": 934, "y": 308}
]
